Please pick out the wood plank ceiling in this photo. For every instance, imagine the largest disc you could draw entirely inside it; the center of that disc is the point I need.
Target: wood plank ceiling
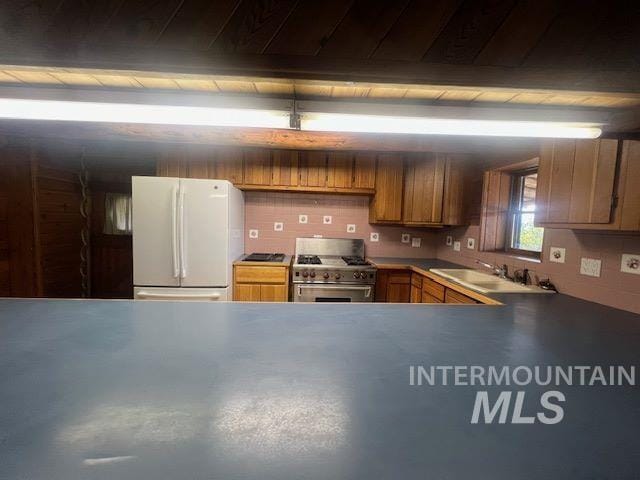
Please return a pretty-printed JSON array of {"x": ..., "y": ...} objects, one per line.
[{"x": 583, "y": 53}]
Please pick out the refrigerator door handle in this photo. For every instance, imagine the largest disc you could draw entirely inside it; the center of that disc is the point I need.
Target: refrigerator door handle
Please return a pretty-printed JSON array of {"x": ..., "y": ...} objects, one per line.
[
  {"x": 174, "y": 232},
  {"x": 183, "y": 262},
  {"x": 179, "y": 296}
]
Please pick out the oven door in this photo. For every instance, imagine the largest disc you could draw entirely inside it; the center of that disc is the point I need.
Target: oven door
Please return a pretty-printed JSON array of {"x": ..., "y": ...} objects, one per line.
[{"x": 332, "y": 293}]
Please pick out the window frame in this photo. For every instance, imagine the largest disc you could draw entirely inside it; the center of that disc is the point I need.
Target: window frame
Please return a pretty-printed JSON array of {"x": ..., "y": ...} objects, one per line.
[{"x": 515, "y": 196}]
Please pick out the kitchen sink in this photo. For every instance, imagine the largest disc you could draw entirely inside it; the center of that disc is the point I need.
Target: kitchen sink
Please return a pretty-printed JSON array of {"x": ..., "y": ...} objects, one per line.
[{"x": 483, "y": 282}]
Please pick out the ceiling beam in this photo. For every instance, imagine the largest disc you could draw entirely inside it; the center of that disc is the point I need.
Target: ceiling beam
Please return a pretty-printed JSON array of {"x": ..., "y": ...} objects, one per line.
[
  {"x": 337, "y": 69},
  {"x": 269, "y": 138}
]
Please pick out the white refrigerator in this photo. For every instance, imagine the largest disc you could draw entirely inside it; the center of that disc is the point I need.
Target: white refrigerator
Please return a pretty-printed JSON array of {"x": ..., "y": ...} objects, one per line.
[{"x": 186, "y": 235}]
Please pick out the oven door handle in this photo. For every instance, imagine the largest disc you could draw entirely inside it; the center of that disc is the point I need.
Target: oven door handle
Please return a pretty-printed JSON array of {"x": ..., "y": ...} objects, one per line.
[{"x": 330, "y": 287}]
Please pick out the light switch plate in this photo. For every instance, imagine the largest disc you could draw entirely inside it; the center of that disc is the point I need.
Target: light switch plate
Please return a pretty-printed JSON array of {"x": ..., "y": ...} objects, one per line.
[
  {"x": 406, "y": 238},
  {"x": 351, "y": 228},
  {"x": 556, "y": 254},
  {"x": 374, "y": 237},
  {"x": 590, "y": 266},
  {"x": 630, "y": 263},
  {"x": 315, "y": 235},
  {"x": 278, "y": 226},
  {"x": 456, "y": 246},
  {"x": 471, "y": 243},
  {"x": 253, "y": 233},
  {"x": 327, "y": 219},
  {"x": 449, "y": 240},
  {"x": 416, "y": 242},
  {"x": 303, "y": 219}
]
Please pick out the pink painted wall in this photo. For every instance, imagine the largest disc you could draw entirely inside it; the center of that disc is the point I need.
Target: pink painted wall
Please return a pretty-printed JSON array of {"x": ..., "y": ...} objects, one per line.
[
  {"x": 613, "y": 288},
  {"x": 263, "y": 209}
]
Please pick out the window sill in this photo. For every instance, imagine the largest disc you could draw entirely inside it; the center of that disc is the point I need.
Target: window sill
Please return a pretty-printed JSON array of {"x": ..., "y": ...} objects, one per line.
[{"x": 522, "y": 257}]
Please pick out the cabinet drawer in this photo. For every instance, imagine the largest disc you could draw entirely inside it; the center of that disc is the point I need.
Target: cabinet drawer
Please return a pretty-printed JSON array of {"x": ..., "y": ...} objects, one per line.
[
  {"x": 251, "y": 274},
  {"x": 451, "y": 296},
  {"x": 433, "y": 288},
  {"x": 416, "y": 280}
]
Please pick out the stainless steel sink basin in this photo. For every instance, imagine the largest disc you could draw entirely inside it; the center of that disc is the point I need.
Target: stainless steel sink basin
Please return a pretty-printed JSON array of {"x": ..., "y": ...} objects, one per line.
[{"x": 483, "y": 282}]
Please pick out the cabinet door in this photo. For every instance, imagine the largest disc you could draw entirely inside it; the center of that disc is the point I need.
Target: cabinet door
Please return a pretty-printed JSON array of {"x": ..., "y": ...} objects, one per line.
[
  {"x": 398, "y": 292},
  {"x": 427, "y": 298},
  {"x": 629, "y": 192},
  {"x": 284, "y": 168},
  {"x": 339, "y": 170},
  {"x": 200, "y": 164},
  {"x": 274, "y": 293},
  {"x": 423, "y": 189},
  {"x": 382, "y": 277},
  {"x": 246, "y": 293},
  {"x": 364, "y": 170},
  {"x": 228, "y": 165},
  {"x": 257, "y": 167},
  {"x": 575, "y": 181},
  {"x": 172, "y": 163},
  {"x": 453, "y": 211},
  {"x": 386, "y": 205},
  {"x": 313, "y": 169},
  {"x": 416, "y": 294}
]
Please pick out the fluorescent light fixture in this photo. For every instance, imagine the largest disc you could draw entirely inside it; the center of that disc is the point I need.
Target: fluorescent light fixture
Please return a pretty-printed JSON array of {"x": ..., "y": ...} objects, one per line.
[
  {"x": 362, "y": 123},
  {"x": 86, "y": 111}
]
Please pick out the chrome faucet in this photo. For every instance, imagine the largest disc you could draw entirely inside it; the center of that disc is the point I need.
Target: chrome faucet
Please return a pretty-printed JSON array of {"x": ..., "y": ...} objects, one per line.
[{"x": 500, "y": 271}]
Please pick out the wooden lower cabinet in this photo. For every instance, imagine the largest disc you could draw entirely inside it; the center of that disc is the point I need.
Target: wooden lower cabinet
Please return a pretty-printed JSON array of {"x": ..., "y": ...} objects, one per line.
[
  {"x": 402, "y": 286},
  {"x": 451, "y": 296},
  {"x": 393, "y": 286},
  {"x": 252, "y": 283}
]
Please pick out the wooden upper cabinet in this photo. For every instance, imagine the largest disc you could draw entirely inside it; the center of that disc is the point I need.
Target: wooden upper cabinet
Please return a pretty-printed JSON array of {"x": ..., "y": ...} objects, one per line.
[
  {"x": 257, "y": 167},
  {"x": 364, "y": 170},
  {"x": 455, "y": 182},
  {"x": 284, "y": 168},
  {"x": 628, "y": 191},
  {"x": 576, "y": 181},
  {"x": 313, "y": 169},
  {"x": 423, "y": 188},
  {"x": 228, "y": 165},
  {"x": 386, "y": 205},
  {"x": 339, "y": 170}
]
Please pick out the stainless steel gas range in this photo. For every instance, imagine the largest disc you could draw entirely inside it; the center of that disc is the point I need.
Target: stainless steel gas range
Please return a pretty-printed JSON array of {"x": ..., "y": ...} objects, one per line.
[{"x": 332, "y": 270}]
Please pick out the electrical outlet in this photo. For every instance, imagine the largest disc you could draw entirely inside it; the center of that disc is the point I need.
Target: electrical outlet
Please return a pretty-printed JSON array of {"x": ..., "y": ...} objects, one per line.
[
  {"x": 590, "y": 267},
  {"x": 416, "y": 242},
  {"x": 253, "y": 233},
  {"x": 351, "y": 228},
  {"x": 406, "y": 238},
  {"x": 471, "y": 243},
  {"x": 449, "y": 240},
  {"x": 303, "y": 219},
  {"x": 556, "y": 254},
  {"x": 278, "y": 226},
  {"x": 630, "y": 263},
  {"x": 374, "y": 237},
  {"x": 456, "y": 246},
  {"x": 327, "y": 219}
]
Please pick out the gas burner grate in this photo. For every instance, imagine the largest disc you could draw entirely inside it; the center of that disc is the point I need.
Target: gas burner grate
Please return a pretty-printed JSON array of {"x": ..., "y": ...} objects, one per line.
[
  {"x": 353, "y": 260},
  {"x": 308, "y": 260}
]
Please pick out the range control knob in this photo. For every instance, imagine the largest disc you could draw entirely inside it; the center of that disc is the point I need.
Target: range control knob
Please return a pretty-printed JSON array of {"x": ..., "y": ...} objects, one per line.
[
  {"x": 312, "y": 274},
  {"x": 356, "y": 275},
  {"x": 325, "y": 274},
  {"x": 363, "y": 274},
  {"x": 338, "y": 276},
  {"x": 305, "y": 274}
]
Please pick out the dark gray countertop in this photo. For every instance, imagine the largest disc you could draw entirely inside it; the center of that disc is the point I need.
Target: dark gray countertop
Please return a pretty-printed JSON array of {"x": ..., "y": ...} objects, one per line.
[{"x": 157, "y": 390}]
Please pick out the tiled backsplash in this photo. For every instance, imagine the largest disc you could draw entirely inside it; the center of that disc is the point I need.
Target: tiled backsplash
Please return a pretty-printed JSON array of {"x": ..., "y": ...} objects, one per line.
[
  {"x": 265, "y": 211},
  {"x": 613, "y": 287}
]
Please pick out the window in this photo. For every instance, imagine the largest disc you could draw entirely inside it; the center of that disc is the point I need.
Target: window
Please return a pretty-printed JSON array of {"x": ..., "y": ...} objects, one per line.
[
  {"x": 522, "y": 236},
  {"x": 117, "y": 214}
]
